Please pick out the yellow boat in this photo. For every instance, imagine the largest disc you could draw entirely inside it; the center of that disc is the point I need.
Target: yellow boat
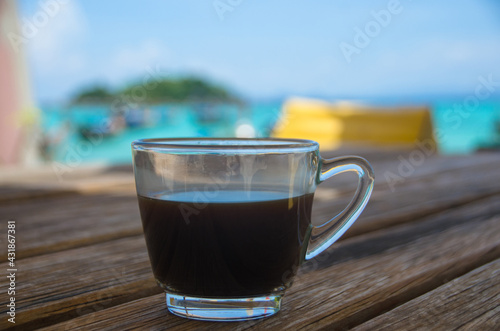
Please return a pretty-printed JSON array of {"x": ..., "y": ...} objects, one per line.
[{"x": 336, "y": 125}]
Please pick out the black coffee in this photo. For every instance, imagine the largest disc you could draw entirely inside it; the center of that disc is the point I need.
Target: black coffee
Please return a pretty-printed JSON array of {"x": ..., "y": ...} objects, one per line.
[{"x": 228, "y": 248}]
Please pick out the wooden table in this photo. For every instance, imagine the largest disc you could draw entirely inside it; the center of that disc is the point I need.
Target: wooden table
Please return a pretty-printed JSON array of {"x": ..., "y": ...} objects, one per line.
[{"x": 425, "y": 254}]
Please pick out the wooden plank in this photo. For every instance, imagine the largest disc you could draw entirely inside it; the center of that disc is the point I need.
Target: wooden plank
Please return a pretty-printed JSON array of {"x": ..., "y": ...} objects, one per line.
[
  {"x": 355, "y": 248},
  {"x": 20, "y": 184},
  {"x": 15, "y": 193},
  {"x": 91, "y": 267},
  {"x": 52, "y": 224},
  {"x": 471, "y": 302},
  {"x": 446, "y": 169},
  {"x": 404, "y": 164},
  {"x": 373, "y": 273},
  {"x": 17, "y": 184},
  {"x": 416, "y": 199},
  {"x": 48, "y": 224},
  {"x": 79, "y": 281}
]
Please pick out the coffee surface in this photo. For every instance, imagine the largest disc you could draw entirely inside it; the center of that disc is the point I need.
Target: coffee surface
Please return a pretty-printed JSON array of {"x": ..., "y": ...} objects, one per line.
[{"x": 236, "y": 245}]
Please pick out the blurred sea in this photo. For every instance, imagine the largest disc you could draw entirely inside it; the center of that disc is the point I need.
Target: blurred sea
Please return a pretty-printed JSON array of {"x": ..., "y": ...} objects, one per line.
[
  {"x": 462, "y": 131},
  {"x": 92, "y": 134}
]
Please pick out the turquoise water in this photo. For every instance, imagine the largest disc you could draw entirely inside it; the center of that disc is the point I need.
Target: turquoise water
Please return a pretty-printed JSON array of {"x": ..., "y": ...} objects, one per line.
[
  {"x": 458, "y": 131},
  {"x": 461, "y": 130},
  {"x": 62, "y": 127}
]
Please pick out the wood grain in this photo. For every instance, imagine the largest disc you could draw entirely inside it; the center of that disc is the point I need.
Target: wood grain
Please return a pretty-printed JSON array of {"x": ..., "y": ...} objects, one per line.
[
  {"x": 11, "y": 194},
  {"x": 52, "y": 224},
  {"x": 347, "y": 293},
  {"x": 403, "y": 165},
  {"x": 84, "y": 262},
  {"x": 357, "y": 247},
  {"x": 47, "y": 224},
  {"x": 79, "y": 281},
  {"x": 23, "y": 182},
  {"x": 420, "y": 198},
  {"x": 470, "y": 302}
]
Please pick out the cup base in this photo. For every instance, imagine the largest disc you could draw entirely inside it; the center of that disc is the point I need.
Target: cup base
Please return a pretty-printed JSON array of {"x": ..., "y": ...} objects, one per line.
[{"x": 234, "y": 309}]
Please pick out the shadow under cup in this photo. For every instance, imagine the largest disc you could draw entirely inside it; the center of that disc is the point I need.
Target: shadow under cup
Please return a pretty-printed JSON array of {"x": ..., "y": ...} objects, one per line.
[{"x": 227, "y": 222}]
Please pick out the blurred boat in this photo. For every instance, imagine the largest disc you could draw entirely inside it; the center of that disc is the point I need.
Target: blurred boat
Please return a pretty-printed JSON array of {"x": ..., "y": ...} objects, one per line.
[
  {"x": 114, "y": 126},
  {"x": 342, "y": 124},
  {"x": 135, "y": 118},
  {"x": 207, "y": 113}
]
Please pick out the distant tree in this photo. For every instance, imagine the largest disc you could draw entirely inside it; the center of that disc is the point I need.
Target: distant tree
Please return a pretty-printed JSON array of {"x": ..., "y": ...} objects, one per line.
[
  {"x": 189, "y": 89},
  {"x": 182, "y": 90},
  {"x": 93, "y": 94}
]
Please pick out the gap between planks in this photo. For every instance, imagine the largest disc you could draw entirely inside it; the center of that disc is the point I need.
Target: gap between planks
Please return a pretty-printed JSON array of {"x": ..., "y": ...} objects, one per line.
[
  {"x": 92, "y": 224},
  {"x": 470, "y": 302},
  {"x": 361, "y": 289},
  {"x": 93, "y": 257}
]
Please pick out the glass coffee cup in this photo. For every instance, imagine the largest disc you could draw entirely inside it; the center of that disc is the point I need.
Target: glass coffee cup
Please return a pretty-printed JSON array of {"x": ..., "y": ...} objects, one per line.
[{"x": 228, "y": 221}]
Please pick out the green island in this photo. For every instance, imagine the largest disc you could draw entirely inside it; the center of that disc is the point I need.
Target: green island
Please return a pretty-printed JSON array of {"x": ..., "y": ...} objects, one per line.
[{"x": 190, "y": 89}]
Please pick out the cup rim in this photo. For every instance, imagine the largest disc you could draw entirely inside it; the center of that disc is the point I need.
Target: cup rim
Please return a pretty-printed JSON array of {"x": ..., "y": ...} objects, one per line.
[{"x": 224, "y": 144}]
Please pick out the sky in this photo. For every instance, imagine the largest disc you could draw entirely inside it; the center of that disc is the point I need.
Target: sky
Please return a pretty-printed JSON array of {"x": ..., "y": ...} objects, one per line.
[{"x": 265, "y": 49}]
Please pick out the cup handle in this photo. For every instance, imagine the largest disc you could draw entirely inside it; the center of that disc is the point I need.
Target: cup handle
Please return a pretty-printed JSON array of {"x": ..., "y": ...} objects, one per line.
[{"x": 321, "y": 237}]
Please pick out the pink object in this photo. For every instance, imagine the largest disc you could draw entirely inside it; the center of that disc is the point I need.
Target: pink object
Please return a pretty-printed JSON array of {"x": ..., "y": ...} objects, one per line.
[{"x": 14, "y": 88}]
